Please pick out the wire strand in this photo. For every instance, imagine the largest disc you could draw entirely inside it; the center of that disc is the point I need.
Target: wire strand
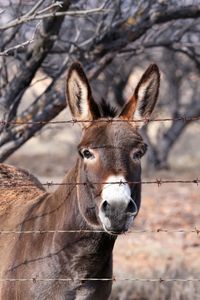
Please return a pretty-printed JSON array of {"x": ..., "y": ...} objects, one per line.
[
  {"x": 157, "y": 230},
  {"x": 183, "y": 118},
  {"x": 159, "y": 280},
  {"x": 48, "y": 184}
]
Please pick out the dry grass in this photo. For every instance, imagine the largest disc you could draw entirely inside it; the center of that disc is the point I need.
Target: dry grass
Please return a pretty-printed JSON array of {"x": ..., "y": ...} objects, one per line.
[{"x": 159, "y": 290}]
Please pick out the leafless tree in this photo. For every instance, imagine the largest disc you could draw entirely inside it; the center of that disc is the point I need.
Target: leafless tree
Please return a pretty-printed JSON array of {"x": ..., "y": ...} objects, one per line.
[{"x": 110, "y": 39}]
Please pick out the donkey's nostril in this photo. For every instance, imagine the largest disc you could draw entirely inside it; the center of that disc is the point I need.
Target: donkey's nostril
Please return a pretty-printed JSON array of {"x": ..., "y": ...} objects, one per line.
[
  {"x": 131, "y": 208},
  {"x": 105, "y": 206}
]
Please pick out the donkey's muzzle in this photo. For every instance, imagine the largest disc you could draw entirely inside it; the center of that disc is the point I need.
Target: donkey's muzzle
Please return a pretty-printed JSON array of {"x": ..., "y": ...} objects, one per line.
[
  {"x": 108, "y": 209},
  {"x": 116, "y": 216}
]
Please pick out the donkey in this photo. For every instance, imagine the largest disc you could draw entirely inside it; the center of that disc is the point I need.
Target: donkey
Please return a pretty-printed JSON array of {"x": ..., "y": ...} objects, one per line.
[{"x": 97, "y": 201}]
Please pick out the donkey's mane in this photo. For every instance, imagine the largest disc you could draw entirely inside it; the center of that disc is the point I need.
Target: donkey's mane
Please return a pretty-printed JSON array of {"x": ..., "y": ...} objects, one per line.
[{"x": 107, "y": 110}]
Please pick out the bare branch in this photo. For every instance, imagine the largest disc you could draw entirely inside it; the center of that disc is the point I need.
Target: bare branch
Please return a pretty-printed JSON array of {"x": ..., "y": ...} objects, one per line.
[
  {"x": 45, "y": 40},
  {"x": 34, "y": 8},
  {"x": 38, "y": 16},
  {"x": 139, "y": 24},
  {"x": 176, "y": 13},
  {"x": 51, "y": 102},
  {"x": 21, "y": 45},
  {"x": 16, "y": 47},
  {"x": 129, "y": 27}
]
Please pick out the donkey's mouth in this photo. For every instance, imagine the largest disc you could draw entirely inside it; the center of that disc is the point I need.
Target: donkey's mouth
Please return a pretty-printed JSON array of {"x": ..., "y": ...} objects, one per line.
[
  {"x": 114, "y": 231},
  {"x": 118, "y": 232}
]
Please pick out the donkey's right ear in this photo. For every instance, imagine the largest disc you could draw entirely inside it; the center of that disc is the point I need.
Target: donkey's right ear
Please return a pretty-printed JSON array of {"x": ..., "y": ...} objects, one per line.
[
  {"x": 79, "y": 95},
  {"x": 142, "y": 103}
]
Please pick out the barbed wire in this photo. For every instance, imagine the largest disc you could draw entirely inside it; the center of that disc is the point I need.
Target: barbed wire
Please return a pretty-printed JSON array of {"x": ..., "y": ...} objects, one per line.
[
  {"x": 158, "y": 182},
  {"x": 158, "y": 230},
  {"x": 183, "y": 118},
  {"x": 159, "y": 280},
  {"x": 48, "y": 184}
]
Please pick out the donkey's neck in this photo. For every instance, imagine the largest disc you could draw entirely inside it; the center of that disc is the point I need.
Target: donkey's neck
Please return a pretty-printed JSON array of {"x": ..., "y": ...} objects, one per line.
[
  {"x": 68, "y": 216},
  {"x": 89, "y": 253}
]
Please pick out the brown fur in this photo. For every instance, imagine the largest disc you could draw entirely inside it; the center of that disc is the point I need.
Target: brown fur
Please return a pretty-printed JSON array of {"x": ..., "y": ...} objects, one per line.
[
  {"x": 26, "y": 206},
  {"x": 63, "y": 255}
]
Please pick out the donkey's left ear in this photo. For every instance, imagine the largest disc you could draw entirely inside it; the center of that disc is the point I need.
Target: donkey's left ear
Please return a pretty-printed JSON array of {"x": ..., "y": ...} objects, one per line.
[
  {"x": 81, "y": 103},
  {"x": 143, "y": 101}
]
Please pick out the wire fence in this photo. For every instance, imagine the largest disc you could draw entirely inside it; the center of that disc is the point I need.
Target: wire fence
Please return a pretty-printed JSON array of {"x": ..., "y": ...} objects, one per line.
[
  {"x": 157, "y": 230},
  {"x": 47, "y": 184},
  {"x": 158, "y": 280},
  {"x": 182, "y": 118}
]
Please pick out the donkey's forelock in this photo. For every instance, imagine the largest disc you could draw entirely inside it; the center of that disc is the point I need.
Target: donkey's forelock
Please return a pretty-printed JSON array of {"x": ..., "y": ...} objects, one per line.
[{"x": 107, "y": 110}]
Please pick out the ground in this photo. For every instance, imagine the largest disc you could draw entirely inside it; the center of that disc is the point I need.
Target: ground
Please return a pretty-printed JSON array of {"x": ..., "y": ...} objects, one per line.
[{"x": 152, "y": 253}]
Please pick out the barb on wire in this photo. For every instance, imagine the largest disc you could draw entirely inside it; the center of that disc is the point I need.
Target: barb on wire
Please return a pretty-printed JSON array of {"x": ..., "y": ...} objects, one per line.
[
  {"x": 159, "y": 280},
  {"x": 74, "y": 121},
  {"x": 136, "y": 231},
  {"x": 159, "y": 182}
]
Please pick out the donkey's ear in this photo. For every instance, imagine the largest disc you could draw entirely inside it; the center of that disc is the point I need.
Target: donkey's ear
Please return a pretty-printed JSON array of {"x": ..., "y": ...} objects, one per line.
[
  {"x": 143, "y": 101},
  {"x": 79, "y": 95}
]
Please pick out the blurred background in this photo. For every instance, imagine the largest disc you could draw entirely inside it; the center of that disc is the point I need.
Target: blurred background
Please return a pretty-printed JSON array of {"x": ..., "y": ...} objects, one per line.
[{"x": 115, "y": 41}]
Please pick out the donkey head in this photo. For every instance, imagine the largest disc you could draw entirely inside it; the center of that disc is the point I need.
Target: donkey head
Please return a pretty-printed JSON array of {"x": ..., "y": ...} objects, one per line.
[{"x": 110, "y": 151}]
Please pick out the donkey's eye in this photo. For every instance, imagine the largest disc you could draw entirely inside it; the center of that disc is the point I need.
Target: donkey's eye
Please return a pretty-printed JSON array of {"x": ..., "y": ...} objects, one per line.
[
  {"x": 87, "y": 154},
  {"x": 137, "y": 154}
]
